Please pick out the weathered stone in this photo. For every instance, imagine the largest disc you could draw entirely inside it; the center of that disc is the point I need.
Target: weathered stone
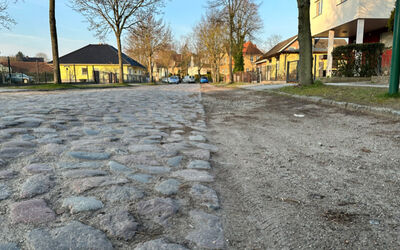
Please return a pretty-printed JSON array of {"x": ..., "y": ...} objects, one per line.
[
  {"x": 74, "y": 165},
  {"x": 168, "y": 187},
  {"x": 119, "y": 168},
  {"x": 19, "y": 144},
  {"x": 159, "y": 209},
  {"x": 12, "y": 153},
  {"x": 205, "y": 146},
  {"x": 81, "y": 204},
  {"x": 33, "y": 211},
  {"x": 8, "y": 246},
  {"x": 7, "y": 174},
  {"x": 159, "y": 244},
  {"x": 175, "y": 161},
  {"x": 83, "y": 173},
  {"x": 82, "y": 185},
  {"x": 44, "y": 130},
  {"x": 198, "y": 138},
  {"x": 208, "y": 233},
  {"x": 29, "y": 122},
  {"x": 28, "y": 137},
  {"x": 35, "y": 185},
  {"x": 15, "y": 131},
  {"x": 143, "y": 178},
  {"x": 38, "y": 168},
  {"x": 119, "y": 224},
  {"x": 144, "y": 148},
  {"x": 154, "y": 169},
  {"x": 4, "y": 192},
  {"x": 199, "y": 164},
  {"x": 74, "y": 235},
  {"x": 199, "y": 154},
  {"x": 89, "y": 155},
  {"x": 91, "y": 132},
  {"x": 193, "y": 175},
  {"x": 123, "y": 194},
  {"x": 3, "y": 163},
  {"x": 205, "y": 195}
]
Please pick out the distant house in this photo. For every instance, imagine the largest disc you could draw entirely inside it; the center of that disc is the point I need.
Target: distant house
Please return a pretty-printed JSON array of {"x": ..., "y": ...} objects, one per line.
[
  {"x": 99, "y": 63},
  {"x": 361, "y": 21},
  {"x": 250, "y": 55},
  {"x": 280, "y": 63}
]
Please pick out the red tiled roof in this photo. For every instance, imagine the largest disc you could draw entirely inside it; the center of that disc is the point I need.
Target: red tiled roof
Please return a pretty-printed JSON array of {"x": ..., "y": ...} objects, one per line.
[{"x": 251, "y": 49}]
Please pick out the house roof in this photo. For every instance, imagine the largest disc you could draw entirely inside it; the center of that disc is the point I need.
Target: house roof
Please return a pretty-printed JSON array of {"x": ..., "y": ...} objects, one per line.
[
  {"x": 320, "y": 45},
  {"x": 97, "y": 54},
  {"x": 251, "y": 49},
  {"x": 278, "y": 48}
]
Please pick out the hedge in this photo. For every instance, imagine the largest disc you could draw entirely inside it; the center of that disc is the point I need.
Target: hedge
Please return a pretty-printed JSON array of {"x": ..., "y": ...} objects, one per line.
[{"x": 361, "y": 60}]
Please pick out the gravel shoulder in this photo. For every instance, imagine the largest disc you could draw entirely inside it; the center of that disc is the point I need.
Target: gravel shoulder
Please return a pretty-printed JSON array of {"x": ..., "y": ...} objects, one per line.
[{"x": 328, "y": 180}]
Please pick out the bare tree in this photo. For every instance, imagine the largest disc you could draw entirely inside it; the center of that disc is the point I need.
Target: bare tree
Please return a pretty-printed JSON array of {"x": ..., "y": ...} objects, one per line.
[
  {"x": 305, "y": 43},
  {"x": 54, "y": 41},
  {"x": 200, "y": 52},
  {"x": 271, "y": 42},
  {"x": 43, "y": 55},
  {"x": 212, "y": 37},
  {"x": 242, "y": 20},
  {"x": 5, "y": 19},
  {"x": 185, "y": 55},
  {"x": 117, "y": 16},
  {"x": 148, "y": 38},
  {"x": 247, "y": 24}
]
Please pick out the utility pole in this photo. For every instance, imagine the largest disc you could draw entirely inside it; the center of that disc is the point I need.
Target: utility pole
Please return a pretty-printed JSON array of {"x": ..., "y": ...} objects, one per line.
[
  {"x": 9, "y": 70},
  {"x": 395, "y": 67}
]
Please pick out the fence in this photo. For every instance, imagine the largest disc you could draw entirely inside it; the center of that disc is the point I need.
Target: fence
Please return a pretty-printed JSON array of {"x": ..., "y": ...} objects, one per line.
[
  {"x": 245, "y": 77},
  {"x": 292, "y": 74}
]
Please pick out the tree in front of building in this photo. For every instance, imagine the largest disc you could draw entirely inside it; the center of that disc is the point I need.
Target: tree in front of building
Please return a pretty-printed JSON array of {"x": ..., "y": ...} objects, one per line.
[
  {"x": 116, "y": 16},
  {"x": 19, "y": 56},
  {"x": 54, "y": 41},
  {"x": 305, "y": 43},
  {"x": 147, "y": 39}
]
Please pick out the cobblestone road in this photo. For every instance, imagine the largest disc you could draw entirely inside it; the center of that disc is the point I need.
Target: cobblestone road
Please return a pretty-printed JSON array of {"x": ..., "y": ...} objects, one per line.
[{"x": 107, "y": 169}]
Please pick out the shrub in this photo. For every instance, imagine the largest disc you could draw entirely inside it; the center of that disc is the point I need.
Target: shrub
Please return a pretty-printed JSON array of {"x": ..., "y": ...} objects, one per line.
[{"x": 358, "y": 59}]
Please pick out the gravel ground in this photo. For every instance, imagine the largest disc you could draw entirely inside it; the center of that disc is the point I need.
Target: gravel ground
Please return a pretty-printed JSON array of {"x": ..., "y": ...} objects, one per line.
[{"x": 328, "y": 180}]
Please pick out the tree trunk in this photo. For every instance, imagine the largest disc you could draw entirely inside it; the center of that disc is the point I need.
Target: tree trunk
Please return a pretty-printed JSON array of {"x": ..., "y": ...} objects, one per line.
[
  {"x": 305, "y": 43},
  {"x": 230, "y": 51},
  {"x": 121, "y": 65},
  {"x": 54, "y": 42},
  {"x": 150, "y": 69}
]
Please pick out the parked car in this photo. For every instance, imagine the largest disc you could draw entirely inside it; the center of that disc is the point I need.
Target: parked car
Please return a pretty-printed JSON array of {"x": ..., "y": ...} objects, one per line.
[
  {"x": 164, "y": 80},
  {"x": 189, "y": 79},
  {"x": 203, "y": 79},
  {"x": 19, "y": 78},
  {"x": 174, "y": 80}
]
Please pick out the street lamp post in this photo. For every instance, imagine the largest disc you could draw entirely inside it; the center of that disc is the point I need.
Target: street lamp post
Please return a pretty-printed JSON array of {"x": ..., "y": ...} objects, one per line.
[{"x": 395, "y": 67}]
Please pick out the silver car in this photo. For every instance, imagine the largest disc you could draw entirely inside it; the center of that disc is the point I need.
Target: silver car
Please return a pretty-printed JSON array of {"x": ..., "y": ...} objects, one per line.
[
  {"x": 174, "y": 80},
  {"x": 189, "y": 79}
]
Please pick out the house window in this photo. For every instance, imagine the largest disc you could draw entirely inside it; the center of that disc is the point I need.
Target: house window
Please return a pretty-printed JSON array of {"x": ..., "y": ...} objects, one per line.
[
  {"x": 251, "y": 59},
  {"x": 84, "y": 71},
  {"x": 318, "y": 6}
]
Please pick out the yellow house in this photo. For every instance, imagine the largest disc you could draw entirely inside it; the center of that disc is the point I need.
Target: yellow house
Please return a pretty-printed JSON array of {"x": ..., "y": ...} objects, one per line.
[
  {"x": 250, "y": 55},
  {"x": 280, "y": 63},
  {"x": 99, "y": 64}
]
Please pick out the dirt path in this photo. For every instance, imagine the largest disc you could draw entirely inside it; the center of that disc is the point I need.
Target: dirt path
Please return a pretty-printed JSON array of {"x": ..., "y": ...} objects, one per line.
[{"x": 329, "y": 180}]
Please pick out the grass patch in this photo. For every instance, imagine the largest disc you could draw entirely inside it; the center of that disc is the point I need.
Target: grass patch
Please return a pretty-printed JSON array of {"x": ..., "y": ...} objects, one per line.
[
  {"x": 378, "y": 97},
  {"x": 69, "y": 86}
]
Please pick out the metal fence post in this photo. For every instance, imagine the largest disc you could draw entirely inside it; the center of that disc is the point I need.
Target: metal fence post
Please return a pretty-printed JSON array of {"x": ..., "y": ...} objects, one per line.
[{"x": 395, "y": 67}]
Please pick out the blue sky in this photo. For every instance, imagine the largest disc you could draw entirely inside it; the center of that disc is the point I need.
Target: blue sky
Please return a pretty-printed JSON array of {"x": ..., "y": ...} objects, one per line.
[{"x": 31, "y": 34}]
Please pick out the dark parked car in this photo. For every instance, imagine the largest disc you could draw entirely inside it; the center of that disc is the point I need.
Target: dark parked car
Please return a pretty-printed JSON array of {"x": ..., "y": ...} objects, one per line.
[{"x": 19, "y": 78}]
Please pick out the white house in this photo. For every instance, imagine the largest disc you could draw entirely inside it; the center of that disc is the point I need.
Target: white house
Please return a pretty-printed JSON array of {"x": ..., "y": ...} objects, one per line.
[{"x": 361, "y": 21}]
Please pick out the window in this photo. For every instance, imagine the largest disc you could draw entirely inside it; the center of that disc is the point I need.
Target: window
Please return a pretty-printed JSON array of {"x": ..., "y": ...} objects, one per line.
[
  {"x": 318, "y": 6},
  {"x": 84, "y": 71},
  {"x": 251, "y": 59}
]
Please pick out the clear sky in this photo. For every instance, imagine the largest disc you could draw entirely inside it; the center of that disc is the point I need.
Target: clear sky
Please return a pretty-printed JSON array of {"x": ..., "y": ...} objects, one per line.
[{"x": 31, "y": 34}]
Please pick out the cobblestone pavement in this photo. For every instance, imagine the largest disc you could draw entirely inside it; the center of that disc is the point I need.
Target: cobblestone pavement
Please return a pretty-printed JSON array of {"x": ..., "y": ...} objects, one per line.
[{"x": 107, "y": 169}]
